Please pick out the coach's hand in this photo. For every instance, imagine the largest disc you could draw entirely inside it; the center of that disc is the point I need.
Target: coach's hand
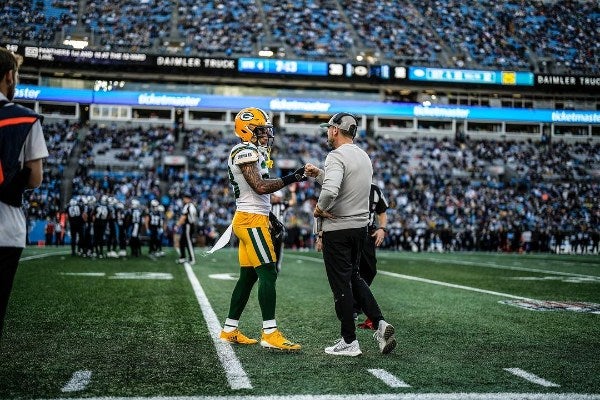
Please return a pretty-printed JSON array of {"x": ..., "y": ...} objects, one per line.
[{"x": 296, "y": 176}]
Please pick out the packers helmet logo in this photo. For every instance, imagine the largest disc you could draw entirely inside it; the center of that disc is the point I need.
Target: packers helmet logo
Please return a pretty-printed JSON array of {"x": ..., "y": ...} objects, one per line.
[{"x": 246, "y": 116}]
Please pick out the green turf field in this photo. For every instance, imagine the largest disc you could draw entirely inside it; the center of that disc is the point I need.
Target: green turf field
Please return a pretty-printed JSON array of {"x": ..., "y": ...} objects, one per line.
[{"x": 145, "y": 328}]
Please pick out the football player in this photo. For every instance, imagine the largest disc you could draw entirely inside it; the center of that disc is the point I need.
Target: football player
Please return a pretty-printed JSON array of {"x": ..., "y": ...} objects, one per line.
[{"x": 248, "y": 165}]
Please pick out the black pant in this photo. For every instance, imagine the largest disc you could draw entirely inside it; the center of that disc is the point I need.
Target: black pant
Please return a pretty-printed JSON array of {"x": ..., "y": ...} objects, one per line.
[
  {"x": 154, "y": 246},
  {"x": 341, "y": 253},
  {"x": 185, "y": 242},
  {"x": 76, "y": 236},
  {"x": 9, "y": 260},
  {"x": 368, "y": 260},
  {"x": 368, "y": 265}
]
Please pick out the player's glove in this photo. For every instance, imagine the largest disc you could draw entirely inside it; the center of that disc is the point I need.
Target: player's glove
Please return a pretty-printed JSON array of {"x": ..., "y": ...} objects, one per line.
[
  {"x": 277, "y": 229},
  {"x": 296, "y": 176}
]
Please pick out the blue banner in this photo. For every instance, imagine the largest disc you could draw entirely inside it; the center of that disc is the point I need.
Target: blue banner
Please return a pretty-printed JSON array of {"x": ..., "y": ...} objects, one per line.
[
  {"x": 44, "y": 93},
  {"x": 306, "y": 105}
]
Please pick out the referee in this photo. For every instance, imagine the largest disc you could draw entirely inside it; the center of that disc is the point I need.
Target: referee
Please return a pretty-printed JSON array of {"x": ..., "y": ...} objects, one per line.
[
  {"x": 377, "y": 231},
  {"x": 187, "y": 223}
]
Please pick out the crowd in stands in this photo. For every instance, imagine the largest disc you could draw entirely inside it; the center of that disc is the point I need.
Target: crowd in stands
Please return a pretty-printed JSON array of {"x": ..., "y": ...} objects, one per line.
[
  {"x": 220, "y": 27},
  {"x": 128, "y": 24},
  {"x": 311, "y": 29},
  {"x": 560, "y": 32},
  {"x": 34, "y": 20},
  {"x": 556, "y": 36},
  {"x": 444, "y": 194},
  {"x": 397, "y": 28}
]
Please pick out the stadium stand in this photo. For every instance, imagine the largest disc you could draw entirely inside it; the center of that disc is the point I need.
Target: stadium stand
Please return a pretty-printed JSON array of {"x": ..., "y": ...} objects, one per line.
[
  {"x": 549, "y": 36},
  {"x": 445, "y": 195},
  {"x": 229, "y": 27},
  {"x": 450, "y": 187},
  {"x": 130, "y": 25}
]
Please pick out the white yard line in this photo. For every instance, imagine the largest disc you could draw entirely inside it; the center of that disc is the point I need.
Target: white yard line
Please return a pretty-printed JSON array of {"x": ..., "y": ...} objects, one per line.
[
  {"x": 452, "y": 285},
  {"x": 44, "y": 255},
  {"x": 486, "y": 265},
  {"x": 78, "y": 382},
  {"x": 383, "y": 396},
  {"x": 236, "y": 376},
  {"x": 389, "y": 379},
  {"x": 430, "y": 281},
  {"x": 528, "y": 376}
]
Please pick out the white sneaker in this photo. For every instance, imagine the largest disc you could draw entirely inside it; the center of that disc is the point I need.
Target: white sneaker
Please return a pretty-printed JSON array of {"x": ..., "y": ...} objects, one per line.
[
  {"x": 180, "y": 261},
  {"x": 384, "y": 336},
  {"x": 341, "y": 348}
]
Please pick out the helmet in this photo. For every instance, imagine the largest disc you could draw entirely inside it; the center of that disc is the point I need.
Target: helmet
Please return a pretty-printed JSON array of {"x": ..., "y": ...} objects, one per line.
[
  {"x": 248, "y": 119},
  {"x": 135, "y": 203},
  {"x": 154, "y": 203},
  {"x": 73, "y": 202},
  {"x": 104, "y": 200}
]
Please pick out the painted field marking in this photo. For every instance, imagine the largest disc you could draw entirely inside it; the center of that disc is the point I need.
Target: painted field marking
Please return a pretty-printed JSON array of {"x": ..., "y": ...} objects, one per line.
[
  {"x": 124, "y": 275},
  {"x": 224, "y": 277},
  {"x": 564, "y": 279},
  {"x": 142, "y": 275},
  {"x": 83, "y": 273},
  {"x": 236, "y": 376},
  {"x": 452, "y": 285},
  {"x": 37, "y": 256},
  {"x": 79, "y": 381},
  {"x": 528, "y": 376},
  {"x": 491, "y": 265},
  {"x": 383, "y": 396},
  {"x": 388, "y": 378}
]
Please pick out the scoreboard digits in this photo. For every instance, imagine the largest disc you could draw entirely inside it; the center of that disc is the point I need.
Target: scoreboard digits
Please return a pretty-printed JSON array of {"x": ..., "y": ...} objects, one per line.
[{"x": 282, "y": 67}]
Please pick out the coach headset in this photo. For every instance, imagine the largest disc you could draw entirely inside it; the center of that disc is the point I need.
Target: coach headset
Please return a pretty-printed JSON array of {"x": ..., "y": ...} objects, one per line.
[{"x": 337, "y": 119}]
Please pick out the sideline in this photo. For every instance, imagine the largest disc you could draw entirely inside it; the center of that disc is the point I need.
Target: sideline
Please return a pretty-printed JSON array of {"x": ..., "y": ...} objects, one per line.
[
  {"x": 384, "y": 396},
  {"x": 44, "y": 255},
  {"x": 485, "y": 265},
  {"x": 236, "y": 376},
  {"x": 430, "y": 281}
]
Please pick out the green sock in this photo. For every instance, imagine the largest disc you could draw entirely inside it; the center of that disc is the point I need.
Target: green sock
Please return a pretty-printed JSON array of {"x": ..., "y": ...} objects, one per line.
[
  {"x": 267, "y": 295},
  {"x": 241, "y": 293}
]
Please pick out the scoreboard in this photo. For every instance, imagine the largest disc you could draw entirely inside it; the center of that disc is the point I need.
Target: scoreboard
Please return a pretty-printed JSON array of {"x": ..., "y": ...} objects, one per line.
[{"x": 349, "y": 72}]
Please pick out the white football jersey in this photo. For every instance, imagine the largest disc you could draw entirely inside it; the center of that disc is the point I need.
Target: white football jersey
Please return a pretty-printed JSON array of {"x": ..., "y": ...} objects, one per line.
[{"x": 246, "y": 199}]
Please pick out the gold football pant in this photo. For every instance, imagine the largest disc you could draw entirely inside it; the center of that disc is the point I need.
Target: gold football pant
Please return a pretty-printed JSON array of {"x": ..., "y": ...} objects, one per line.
[
  {"x": 256, "y": 247},
  {"x": 257, "y": 261}
]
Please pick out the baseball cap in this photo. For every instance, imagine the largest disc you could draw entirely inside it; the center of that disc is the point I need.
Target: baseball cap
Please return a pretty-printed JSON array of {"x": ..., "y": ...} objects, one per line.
[
  {"x": 341, "y": 120},
  {"x": 187, "y": 193}
]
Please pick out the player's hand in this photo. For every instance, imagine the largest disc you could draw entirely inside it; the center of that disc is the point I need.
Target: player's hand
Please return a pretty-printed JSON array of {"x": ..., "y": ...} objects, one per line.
[
  {"x": 300, "y": 174},
  {"x": 311, "y": 170},
  {"x": 296, "y": 176},
  {"x": 319, "y": 244}
]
